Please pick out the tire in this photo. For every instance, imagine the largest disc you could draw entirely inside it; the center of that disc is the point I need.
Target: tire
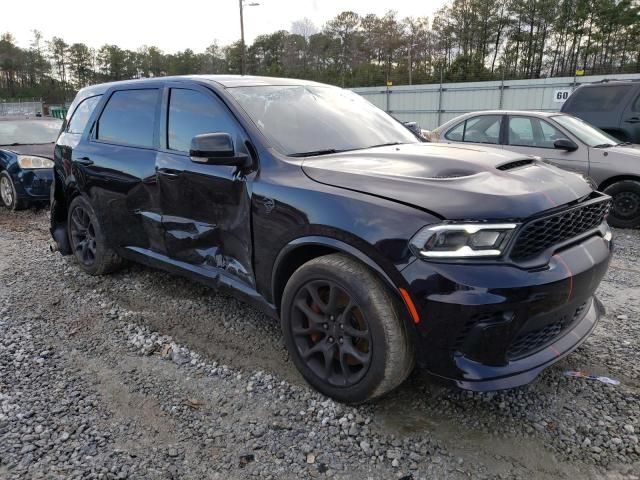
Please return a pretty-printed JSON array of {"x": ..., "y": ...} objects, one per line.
[
  {"x": 87, "y": 240},
  {"x": 351, "y": 312},
  {"x": 8, "y": 194},
  {"x": 625, "y": 212}
]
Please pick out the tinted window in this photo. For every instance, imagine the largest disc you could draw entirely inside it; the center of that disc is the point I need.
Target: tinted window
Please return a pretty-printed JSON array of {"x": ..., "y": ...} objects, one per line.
[
  {"x": 298, "y": 119},
  {"x": 482, "y": 129},
  {"x": 81, "y": 115},
  {"x": 129, "y": 118},
  {"x": 594, "y": 99},
  {"x": 521, "y": 132},
  {"x": 192, "y": 113}
]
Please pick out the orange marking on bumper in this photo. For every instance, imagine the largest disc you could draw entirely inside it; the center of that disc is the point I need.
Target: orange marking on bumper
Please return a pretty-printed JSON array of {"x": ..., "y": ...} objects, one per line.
[{"x": 410, "y": 306}]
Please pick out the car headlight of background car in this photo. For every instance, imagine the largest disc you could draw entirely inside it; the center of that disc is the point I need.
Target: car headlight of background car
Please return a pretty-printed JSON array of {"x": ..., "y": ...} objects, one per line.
[
  {"x": 462, "y": 240},
  {"x": 31, "y": 162}
]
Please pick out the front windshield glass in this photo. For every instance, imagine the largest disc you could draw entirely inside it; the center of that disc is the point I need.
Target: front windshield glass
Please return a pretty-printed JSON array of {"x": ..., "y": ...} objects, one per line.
[
  {"x": 303, "y": 119},
  {"x": 588, "y": 134},
  {"x": 29, "y": 132}
]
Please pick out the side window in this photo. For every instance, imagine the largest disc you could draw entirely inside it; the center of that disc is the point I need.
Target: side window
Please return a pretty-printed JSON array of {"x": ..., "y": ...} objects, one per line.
[
  {"x": 597, "y": 99},
  {"x": 549, "y": 134},
  {"x": 129, "y": 118},
  {"x": 456, "y": 134},
  {"x": 482, "y": 129},
  {"x": 521, "y": 132},
  {"x": 82, "y": 113},
  {"x": 192, "y": 113}
]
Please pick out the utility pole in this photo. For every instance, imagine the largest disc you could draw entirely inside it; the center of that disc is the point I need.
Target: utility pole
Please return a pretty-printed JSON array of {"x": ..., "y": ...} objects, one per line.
[{"x": 243, "y": 68}]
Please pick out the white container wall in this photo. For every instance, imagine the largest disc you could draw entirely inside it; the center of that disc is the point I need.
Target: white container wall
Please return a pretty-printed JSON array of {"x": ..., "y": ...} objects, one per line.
[{"x": 432, "y": 105}]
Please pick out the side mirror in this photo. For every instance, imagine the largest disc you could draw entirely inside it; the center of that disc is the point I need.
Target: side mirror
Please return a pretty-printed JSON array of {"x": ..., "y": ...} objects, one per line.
[
  {"x": 216, "y": 149},
  {"x": 565, "y": 144}
]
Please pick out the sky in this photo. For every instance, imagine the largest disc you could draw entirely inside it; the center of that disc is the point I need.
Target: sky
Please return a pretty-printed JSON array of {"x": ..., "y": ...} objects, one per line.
[{"x": 179, "y": 24}]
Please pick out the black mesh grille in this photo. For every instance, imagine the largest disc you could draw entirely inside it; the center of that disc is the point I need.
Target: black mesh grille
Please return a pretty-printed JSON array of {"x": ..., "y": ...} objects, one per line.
[
  {"x": 531, "y": 341},
  {"x": 538, "y": 235}
]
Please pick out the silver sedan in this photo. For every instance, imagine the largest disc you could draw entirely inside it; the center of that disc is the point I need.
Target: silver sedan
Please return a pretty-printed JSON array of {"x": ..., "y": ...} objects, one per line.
[{"x": 563, "y": 140}]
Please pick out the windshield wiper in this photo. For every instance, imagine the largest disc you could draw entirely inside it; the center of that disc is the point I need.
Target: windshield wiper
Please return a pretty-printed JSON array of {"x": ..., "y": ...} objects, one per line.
[
  {"x": 384, "y": 145},
  {"x": 622, "y": 144},
  {"x": 604, "y": 145},
  {"x": 315, "y": 153}
]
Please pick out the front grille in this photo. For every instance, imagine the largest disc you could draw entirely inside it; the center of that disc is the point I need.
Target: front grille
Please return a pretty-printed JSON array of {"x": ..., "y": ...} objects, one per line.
[
  {"x": 531, "y": 341},
  {"x": 538, "y": 235}
]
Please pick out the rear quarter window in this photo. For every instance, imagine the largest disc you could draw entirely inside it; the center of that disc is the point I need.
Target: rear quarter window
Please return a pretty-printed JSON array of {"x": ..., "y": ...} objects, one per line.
[
  {"x": 82, "y": 114},
  {"x": 597, "y": 99},
  {"x": 129, "y": 118}
]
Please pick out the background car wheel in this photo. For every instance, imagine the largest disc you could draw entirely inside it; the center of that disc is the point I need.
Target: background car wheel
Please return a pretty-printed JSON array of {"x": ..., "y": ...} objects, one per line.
[
  {"x": 87, "y": 240},
  {"x": 344, "y": 330},
  {"x": 8, "y": 193},
  {"x": 625, "y": 212}
]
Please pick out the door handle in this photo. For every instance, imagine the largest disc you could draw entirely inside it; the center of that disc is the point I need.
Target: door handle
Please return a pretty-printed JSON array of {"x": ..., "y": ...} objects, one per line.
[
  {"x": 169, "y": 172},
  {"x": 86, "y": 161},
  {"x": 633, "y": 120}
]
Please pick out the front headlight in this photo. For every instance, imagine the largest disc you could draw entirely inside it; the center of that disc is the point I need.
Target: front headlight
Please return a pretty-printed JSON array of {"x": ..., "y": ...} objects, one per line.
[
  {"x": 462, "y": 240},
  {"x": 28, "y": 161}
]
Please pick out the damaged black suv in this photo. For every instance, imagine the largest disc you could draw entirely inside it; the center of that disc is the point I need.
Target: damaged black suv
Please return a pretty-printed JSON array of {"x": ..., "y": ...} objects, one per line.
[{"x": 376, "y": 250}]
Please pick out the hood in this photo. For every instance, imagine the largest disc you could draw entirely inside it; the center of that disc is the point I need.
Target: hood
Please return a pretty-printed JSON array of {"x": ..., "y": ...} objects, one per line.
[
  {"x": 453, "y": 182},
  {"x": 39, "y": 150},
  {"x": 626, "y": 156}
]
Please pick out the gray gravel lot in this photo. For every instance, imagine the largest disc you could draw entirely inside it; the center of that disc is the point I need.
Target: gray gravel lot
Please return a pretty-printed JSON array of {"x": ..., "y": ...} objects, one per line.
[{"x": 142, "y": 374}]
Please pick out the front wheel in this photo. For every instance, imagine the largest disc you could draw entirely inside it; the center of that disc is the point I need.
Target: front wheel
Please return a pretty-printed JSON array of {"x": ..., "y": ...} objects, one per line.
[
  {"x": 87, "y": 240},
  {"x": 344, "y": 330},
  {"x": 626, "y": 204},
  {"x": 8, "y": 193}
]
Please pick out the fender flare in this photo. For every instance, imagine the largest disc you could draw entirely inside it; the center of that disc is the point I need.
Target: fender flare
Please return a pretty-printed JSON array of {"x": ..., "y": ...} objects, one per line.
[{"x": 324, "y": 241}]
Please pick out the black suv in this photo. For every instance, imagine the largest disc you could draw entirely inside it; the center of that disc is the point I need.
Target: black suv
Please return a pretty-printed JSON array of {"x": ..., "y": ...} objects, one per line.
[
  {"x": 375, "y": 250},
  {"x": 612, "y": 106}
]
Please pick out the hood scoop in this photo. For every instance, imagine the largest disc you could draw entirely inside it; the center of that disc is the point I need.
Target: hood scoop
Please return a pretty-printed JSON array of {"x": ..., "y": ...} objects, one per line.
[
  {"x": 452, "y": 173},
  {"x": 516, "y": 164}
]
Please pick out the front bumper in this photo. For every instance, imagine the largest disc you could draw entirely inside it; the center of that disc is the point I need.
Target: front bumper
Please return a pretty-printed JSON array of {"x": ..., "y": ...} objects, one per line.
[
  {"x": 495, "y": 326},
  {"x": 33, "y": 185}
]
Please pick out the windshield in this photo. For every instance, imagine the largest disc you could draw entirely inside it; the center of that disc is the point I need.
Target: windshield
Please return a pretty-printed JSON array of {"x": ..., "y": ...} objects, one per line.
[
  {"x": 587, "y": 133},
  {"x": 317, "y": 119},
  {"x": 29, "y": 132}
]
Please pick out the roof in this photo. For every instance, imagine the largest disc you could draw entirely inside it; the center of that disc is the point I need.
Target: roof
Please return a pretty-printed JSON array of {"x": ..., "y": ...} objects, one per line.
[{"x": 226, "y": 81}]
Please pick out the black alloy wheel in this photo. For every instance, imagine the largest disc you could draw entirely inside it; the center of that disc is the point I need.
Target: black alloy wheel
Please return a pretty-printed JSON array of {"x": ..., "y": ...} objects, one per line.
[
  {"x": 331, "y": 333},
  {"x": 345, "y": 330},
  {"x": 87, "y": 240},
  {"x": 83, "y": 236}
]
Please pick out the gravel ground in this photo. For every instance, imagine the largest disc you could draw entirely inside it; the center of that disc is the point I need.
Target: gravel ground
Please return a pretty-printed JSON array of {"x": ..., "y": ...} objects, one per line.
[{"x": 142, "y": 374}]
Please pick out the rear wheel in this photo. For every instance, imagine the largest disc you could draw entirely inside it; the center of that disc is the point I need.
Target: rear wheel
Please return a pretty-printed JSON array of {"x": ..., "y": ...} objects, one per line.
[
  {"x": 87, "y": 240},
  {"x": 8, "y": 193},
  {"x": 344, "y": 330},
  {"x": 626, "y": 204}
]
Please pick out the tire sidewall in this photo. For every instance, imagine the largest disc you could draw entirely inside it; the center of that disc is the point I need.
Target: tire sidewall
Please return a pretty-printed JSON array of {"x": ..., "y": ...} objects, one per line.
[
  {"x": 13, "y": 205},
  {"x": 362, "y": 294},
  {"x": 617, "y": 188},
  {"x": 92, "y": 269}
]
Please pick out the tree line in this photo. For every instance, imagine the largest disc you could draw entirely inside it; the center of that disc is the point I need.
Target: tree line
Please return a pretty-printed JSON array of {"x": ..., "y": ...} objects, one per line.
[{"x": 466, "y": 40}]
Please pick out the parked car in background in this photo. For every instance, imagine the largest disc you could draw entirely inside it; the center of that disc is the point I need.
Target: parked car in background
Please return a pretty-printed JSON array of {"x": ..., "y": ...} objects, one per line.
[
  {"x": 564, "y": 140},
  {"x": 612, "y": 105},
  {"x": 375, "y": 249},
  {"x": 26, "y": 159}
]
